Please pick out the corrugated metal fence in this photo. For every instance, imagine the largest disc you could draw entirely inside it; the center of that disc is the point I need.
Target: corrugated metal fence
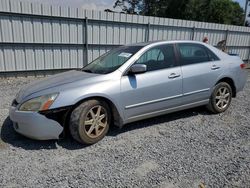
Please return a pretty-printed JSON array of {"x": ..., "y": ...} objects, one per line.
[{"x": 37, "y": 36}]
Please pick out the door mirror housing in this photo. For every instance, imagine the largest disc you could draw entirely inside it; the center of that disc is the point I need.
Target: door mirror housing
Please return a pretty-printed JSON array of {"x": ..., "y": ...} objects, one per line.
[{"x": 138, "y": 69}]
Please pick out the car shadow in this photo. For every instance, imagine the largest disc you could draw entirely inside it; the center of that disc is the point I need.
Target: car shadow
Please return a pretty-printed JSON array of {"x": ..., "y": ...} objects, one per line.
[
  {"x": 9, "y": 136},
  {"x": 158, "y": 120}
]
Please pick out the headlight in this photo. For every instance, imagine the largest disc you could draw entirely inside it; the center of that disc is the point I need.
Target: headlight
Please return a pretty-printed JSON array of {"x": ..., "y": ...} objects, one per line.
[{"x": 39, "y": 103}]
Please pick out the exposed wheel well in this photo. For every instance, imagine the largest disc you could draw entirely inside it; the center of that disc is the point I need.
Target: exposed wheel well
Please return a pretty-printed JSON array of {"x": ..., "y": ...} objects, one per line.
[{"x": 230, "y": 82}]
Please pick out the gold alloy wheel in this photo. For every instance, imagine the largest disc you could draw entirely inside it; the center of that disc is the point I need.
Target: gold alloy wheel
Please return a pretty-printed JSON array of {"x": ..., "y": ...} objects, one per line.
[
  {"x": 222, "y": 98},
  {"x": 96, "y": 121}
]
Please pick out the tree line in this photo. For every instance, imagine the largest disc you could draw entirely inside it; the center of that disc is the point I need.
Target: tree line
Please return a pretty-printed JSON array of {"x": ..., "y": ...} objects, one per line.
[{"x": 217, "y": 11}]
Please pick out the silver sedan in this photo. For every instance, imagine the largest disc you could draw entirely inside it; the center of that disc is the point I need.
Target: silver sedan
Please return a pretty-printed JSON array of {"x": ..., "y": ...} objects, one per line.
[{"x": 128, "y": 84}]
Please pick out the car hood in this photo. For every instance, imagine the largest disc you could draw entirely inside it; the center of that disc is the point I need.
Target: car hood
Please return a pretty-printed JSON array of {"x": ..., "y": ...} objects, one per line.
[{"x": 53, "y": 81}]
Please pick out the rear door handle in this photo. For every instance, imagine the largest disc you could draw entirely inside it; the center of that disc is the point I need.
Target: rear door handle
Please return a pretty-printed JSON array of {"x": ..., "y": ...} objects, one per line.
[
  {"x": 215, "y": 67},
  {"x": 173, "y": 75}
]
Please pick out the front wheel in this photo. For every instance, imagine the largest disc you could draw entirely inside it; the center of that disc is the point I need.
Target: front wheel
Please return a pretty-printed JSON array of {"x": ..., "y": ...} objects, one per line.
[
  {"x": 90, "y": 121},
  {"x": 221, "y": 98}
]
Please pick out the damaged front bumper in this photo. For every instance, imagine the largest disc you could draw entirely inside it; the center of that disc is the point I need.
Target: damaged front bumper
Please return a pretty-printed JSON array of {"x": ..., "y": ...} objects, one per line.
[{"x": 36, "y": 125}]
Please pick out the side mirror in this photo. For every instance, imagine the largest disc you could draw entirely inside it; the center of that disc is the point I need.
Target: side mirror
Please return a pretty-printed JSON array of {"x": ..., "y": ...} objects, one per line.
[{"x": 138, "y": 69}]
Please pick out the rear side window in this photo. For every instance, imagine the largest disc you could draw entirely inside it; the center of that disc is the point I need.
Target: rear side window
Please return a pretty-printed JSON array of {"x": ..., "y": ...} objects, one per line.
[
  {"x": 193, "y": 53},
  {"x": 212, "y": 56}
]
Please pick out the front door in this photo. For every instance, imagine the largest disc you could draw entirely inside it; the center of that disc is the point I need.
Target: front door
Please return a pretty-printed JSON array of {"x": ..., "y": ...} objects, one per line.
[{"x": 157, "y": 89}]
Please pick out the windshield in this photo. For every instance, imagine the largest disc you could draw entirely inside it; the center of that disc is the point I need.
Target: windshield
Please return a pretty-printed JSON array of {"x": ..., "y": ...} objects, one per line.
[{"x": 111, "y": 60}]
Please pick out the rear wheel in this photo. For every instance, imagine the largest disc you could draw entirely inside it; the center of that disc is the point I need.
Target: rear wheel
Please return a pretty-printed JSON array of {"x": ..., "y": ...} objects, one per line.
[
  {"x": 90, "y": 121},
  {"x": 221, "y": 98}
]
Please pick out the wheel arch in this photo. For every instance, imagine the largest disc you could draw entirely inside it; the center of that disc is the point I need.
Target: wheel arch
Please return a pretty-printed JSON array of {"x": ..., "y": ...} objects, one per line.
[
  {"x": 115, "y": 113},
  {"x": 230, "y": 82}
]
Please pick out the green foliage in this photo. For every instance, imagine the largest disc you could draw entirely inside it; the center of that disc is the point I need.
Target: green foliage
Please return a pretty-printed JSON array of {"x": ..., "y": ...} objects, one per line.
[
  {"x": 237, "y": 15},
  {"x": 218, "y": 11},
  {"x": 129, "y": 6}
]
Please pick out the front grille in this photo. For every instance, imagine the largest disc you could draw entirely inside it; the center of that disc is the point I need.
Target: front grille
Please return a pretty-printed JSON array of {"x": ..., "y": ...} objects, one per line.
[{"x": 14, "y": 103}]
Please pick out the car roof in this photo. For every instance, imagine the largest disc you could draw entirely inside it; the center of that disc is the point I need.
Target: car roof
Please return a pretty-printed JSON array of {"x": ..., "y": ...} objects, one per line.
[
  {"x": 165, "y": 41},
  {"x": 218, "y": 52}
]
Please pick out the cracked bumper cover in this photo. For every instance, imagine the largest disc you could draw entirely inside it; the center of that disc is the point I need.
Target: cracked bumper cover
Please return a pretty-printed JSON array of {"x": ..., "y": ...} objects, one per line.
[{"x": 35, "y": 125}]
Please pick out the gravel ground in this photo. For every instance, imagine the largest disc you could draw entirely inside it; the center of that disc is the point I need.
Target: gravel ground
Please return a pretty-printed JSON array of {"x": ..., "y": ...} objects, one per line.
[{"x": 191, "y": 148}]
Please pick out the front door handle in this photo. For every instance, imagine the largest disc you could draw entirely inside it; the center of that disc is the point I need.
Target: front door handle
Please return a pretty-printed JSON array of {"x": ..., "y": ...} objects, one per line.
[
  {"x": 215, "y": 67},
  {"x": 173, "y": 75}
]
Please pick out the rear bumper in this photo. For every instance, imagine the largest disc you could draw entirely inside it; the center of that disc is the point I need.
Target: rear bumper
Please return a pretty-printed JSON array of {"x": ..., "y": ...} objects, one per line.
[
  {"x": 242, "y": 79},
  {"x": 35, "y": 125}
]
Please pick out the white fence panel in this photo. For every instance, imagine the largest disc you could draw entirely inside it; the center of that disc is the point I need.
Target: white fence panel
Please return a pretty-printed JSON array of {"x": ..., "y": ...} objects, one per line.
[{"x": 36, "y": 36}]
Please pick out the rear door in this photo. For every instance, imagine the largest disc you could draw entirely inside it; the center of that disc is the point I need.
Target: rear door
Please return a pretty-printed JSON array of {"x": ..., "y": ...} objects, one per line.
[{"x": 200, "y": 69}]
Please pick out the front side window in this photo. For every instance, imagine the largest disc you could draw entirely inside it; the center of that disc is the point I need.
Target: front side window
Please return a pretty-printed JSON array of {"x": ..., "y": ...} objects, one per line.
[
  {"x": 192, "y": 53},
  {"x": 112, "y": 60},
  {"x": 158, "y": 57}
]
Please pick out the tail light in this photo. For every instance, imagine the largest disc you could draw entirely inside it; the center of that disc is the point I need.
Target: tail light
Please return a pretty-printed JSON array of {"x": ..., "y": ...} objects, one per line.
[{"x": 243, "y": 66}]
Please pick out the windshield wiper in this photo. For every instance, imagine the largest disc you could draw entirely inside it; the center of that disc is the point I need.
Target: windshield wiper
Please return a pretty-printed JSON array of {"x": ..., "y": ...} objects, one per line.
[{"x": 87, "y": 70}]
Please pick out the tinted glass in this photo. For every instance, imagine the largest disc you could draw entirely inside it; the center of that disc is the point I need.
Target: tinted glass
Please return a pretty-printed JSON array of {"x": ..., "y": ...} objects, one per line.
[
  {"x": 211, "y": 55},
  {"x": 159, "y": 57},
  {"x": 112, "y": 60},
  {"x": 192, "y": 53}
]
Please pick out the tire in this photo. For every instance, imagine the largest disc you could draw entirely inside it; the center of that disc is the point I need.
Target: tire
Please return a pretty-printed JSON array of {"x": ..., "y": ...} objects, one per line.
[
  {"x": 225, "y": 98},
  {"x": 86, "y": 125}
]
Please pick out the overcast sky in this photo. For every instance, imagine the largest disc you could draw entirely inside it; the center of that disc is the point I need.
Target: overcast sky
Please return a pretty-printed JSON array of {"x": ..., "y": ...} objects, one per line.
[
  {"x": 242, "y": 2},
  {"x": 86, "y": 4},
  {"x": 92, "y": 4}
]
